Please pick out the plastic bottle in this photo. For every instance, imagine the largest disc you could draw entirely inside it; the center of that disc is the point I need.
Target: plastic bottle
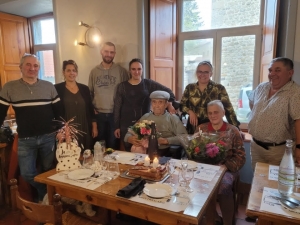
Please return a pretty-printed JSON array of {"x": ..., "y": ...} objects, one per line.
[
  {"x": 153, "y": 143},
  {"x": 98, "y": 154},
  {"x": 286, "y": 175}
]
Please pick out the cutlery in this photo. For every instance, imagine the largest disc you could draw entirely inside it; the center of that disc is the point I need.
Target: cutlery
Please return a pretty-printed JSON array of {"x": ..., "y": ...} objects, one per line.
[
  {"x": 289, "y": 199},
  {"x": 288, "y": 204}
]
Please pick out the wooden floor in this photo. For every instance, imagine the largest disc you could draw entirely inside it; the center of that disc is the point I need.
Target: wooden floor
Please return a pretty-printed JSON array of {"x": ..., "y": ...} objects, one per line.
[{"x": 6, "y": 215}]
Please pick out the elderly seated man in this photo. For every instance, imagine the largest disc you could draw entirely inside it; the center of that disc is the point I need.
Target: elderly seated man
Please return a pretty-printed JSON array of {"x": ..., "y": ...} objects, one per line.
[
  {"x": 234, "y": 158},
  {"x": 168, "y": 125}
]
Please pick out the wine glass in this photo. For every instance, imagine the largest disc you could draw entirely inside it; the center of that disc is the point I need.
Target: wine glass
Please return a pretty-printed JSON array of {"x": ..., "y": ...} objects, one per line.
[
  {"x": 113, "y": 169},
  {"x": 188, "y": 175},
  {"x": 104, "y": 165},
  {"x": 171, "y": 170},
  {"x": 182, "y": 182},
  {"x": 184, "y": 162},
  {"x": 103, "y": 146}
]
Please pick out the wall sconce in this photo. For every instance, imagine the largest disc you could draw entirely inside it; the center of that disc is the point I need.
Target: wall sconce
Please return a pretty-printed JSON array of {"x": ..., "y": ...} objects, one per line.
[
  {"x": 79, "y": 43},
  {"x": 83, "y": 24},
  {"x": 92, "y": 36}
]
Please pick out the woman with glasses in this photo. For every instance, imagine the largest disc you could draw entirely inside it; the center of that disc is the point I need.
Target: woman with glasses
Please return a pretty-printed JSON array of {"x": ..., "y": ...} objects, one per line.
[
  {"x": 197, "y": 95},
  {"x": 77, "y": 103}
]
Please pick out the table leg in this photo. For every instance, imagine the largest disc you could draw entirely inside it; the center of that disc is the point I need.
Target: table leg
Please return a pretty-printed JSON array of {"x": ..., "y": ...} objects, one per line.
[
  {"x": 211, "y": 210},
  {"x": 51, "y": 192}
]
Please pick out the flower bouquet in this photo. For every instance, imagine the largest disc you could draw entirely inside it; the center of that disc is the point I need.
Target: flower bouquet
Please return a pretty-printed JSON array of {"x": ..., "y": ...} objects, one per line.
[
  {"x": 209, "y": 148},
  {"x": 141, "y": 129}
]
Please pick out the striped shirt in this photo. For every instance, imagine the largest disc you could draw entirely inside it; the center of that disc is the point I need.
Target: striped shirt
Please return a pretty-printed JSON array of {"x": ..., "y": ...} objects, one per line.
[{"x": 35, "y": 106}]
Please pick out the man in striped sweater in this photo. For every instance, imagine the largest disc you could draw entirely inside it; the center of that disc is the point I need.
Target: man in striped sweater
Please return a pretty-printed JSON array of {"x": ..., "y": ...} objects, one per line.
[{"x": 36, "y": 105}]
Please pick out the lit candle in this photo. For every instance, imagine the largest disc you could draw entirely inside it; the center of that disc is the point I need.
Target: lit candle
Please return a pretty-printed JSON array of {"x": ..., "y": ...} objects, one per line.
[
  {"x": 155, "y": 162},
  {"x": 147, "y": 161}
]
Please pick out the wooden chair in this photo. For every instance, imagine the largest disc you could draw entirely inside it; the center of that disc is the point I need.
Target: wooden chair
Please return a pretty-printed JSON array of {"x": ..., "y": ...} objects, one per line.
[{"x": 50, "y": 214}]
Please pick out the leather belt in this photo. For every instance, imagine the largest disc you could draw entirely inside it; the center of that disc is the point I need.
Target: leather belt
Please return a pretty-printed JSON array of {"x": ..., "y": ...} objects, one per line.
[{"x": 266, "y": 145}]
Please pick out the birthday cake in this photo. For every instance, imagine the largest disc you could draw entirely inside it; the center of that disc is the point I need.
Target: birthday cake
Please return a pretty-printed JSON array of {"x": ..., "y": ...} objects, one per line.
[{"x": 148, "y": 172}]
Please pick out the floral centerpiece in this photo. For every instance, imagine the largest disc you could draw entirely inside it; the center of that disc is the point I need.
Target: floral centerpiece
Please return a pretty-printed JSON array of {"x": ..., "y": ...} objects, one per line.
[
  {"x": 141, "y": 129},
  {"x": 207, "y": 148}
]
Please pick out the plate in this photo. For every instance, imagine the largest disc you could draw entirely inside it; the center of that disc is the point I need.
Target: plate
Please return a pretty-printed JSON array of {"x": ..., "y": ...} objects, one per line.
[
  {"x": 124, "y": 156},
  {"x": 192, "y": 164},
  {"x": 80, "y": 174},
  {"x": 157, "y": 190}
]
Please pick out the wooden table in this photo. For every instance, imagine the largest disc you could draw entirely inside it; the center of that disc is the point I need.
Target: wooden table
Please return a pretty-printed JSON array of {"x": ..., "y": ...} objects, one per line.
[
  {"x": 260, "y": 180},
  {"x": 201, "y": 209}
]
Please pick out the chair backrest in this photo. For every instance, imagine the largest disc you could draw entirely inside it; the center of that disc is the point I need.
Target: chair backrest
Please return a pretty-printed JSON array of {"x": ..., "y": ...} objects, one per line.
[{"x": 33, "y": 211}]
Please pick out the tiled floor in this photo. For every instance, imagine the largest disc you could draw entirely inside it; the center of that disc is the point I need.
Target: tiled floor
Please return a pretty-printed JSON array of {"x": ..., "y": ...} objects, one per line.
[
  {"x": 244, "y": 189},
  {"x": 6, "y": 217}
]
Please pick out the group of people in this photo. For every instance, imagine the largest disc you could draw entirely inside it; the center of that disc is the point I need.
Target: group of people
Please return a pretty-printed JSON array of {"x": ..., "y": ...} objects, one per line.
[{"x": 115, "y": 100}]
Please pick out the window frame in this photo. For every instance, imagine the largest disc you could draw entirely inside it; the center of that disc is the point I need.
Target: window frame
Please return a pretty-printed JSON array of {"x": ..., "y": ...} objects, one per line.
[
  {"x": 217, "y": 35},
  {"x": 44, "y": 47}
]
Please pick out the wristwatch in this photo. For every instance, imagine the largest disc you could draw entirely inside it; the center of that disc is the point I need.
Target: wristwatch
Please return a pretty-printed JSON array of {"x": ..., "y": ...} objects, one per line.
[{"x": 298, "y": 146}]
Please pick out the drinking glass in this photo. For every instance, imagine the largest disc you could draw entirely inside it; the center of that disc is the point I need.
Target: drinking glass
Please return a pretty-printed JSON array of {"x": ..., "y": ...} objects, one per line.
[
  {"x": 88, "y": 160},
  {"x": 181, "y": 181},
  {"x": 171, "y": 170},
  {"x": 184, "y": 162},
  {"x": 104, "y": 166},
  {"x": 103, "y": 145},
  {"x": 188, "y": 175},
  {"x": 113, "y": 169}
]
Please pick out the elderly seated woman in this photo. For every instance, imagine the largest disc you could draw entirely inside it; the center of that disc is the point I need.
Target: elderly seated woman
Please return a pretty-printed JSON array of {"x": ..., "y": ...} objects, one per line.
[
  {"x": 169, "y": 125},
  {"x": 234, "y": 159}
]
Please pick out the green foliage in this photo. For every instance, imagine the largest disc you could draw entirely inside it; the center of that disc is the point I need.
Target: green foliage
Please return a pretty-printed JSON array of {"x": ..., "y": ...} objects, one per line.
[{"x": 191, "y": 16}]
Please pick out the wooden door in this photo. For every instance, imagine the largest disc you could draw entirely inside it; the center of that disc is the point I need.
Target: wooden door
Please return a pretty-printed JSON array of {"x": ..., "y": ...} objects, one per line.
[
  {"x": 270, "y": 28},
  {"x": 14, "y": 42},
  {"x": 163, "y": 32}
]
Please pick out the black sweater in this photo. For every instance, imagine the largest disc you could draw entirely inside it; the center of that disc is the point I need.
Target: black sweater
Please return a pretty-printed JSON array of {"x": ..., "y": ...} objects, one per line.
[{"x": 85, "y": 93}]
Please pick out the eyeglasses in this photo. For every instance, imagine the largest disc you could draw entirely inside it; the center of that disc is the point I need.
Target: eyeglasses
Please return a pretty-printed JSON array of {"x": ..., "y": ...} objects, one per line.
[{"x": 199, "y": 72}]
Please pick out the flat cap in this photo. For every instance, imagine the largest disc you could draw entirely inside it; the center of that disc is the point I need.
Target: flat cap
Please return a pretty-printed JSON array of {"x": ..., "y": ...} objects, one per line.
[{"x": 160, "y": 95}]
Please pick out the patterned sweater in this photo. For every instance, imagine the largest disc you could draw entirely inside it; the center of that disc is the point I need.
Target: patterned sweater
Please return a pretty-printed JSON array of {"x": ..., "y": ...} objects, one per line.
[
  {"x": 36, "y": 106},
  {"x": 195, "y": 100}
]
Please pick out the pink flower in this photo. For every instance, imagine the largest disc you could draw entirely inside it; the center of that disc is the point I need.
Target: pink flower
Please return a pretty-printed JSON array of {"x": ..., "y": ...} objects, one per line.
[
  {"x": 144, "y": 130},
  {"x": 212, "y": 150},
  {"x": 197, "y": 149}
]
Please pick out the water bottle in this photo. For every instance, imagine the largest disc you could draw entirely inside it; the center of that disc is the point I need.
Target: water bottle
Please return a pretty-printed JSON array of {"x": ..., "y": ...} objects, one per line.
[
  {"x": 286, "y": 175},
  {"x": 153, "y": 143},
  {"x": 98, "y": 154}
]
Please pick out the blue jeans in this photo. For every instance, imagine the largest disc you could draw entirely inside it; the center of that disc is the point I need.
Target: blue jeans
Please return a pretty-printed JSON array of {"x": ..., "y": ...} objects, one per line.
[
  {"x": 106, "y": 128},
  {"x": 32, "y": 150}
]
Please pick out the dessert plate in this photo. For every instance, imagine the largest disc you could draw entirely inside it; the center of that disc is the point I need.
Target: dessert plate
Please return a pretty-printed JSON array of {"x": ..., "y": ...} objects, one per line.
[
  {"x": 157, "y": 190},
  {"x": 80, "y": 174}
]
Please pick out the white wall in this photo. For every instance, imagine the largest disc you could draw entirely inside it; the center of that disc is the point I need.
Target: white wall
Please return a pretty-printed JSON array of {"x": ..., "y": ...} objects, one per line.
[
  {"x": 119, "y": 22},
  {"x": 297, "y": 48}
]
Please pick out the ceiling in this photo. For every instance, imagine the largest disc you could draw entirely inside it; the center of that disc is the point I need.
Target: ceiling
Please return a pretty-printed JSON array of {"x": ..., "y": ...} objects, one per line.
[{"x": 26, "y": 8}]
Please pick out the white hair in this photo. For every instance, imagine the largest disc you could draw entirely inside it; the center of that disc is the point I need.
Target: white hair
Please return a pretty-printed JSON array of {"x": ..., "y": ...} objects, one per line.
[{"x": 217, "y": 103}]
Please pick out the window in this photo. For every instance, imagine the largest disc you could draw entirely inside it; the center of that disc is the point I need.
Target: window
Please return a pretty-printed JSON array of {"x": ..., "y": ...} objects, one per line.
[
  {"x": 43, "y": 33},
  {"x": 228, "y": 33}
]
